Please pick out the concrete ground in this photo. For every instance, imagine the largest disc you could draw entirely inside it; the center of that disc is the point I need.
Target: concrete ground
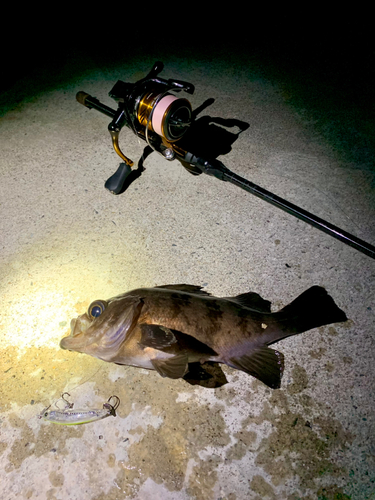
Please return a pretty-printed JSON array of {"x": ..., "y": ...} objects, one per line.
[{"x": 303, "y": 130}]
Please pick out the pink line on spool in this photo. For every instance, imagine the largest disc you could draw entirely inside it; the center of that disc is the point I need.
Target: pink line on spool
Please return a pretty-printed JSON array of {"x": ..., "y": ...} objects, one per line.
[{"x": 159, "y": 111}]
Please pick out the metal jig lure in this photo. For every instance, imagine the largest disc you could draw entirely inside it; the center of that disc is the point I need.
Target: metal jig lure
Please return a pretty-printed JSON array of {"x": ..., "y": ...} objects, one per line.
[{"x": 68, "y": 416}]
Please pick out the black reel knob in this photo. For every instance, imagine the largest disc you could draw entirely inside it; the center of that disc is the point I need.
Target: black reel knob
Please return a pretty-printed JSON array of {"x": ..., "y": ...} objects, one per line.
[{"x": 115, "y": 184}]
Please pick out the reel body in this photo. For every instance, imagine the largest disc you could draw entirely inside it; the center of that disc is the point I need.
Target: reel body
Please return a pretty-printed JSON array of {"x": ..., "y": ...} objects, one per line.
[{"x": 150, "y": 109}]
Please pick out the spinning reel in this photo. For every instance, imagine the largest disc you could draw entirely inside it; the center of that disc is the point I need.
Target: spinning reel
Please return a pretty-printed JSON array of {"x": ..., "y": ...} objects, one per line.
[{"x": 150, "y": 108}]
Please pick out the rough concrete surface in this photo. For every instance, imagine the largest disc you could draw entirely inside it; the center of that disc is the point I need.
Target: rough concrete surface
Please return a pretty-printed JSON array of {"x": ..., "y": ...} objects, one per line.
[{"x": 299, "y": 130}]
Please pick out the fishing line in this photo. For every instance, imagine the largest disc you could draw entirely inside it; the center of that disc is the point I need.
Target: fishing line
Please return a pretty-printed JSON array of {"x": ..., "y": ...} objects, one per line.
[{"x": 86, "y": 380}]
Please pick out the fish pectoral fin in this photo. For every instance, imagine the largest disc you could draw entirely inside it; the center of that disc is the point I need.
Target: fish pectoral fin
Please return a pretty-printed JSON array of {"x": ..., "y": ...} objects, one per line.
[
  {"x": 172, "y": 341},
  {"x": 156, "y": 336},
  {"x": 175, "y": 367},
  {"x": 263, "y": 363}
]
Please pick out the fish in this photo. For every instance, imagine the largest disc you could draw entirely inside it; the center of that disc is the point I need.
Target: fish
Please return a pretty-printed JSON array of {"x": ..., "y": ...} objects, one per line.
[{"x": 182, "y": 331}]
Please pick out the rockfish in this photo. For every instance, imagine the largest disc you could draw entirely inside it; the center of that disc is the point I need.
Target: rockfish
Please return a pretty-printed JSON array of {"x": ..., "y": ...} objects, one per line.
[{"x": 175, "y": 329}]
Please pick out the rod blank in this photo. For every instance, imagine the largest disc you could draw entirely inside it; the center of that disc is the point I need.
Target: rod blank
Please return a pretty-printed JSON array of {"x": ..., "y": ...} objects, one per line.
[{"x": 300, "y": 213}]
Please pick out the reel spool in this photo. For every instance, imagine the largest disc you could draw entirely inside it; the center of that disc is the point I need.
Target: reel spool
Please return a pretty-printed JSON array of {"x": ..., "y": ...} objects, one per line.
[{"x": 164, "y": 114}]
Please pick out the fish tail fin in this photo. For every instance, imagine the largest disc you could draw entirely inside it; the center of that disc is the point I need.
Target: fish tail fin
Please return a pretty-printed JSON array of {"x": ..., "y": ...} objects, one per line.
[{"x": 313, "y": 308}]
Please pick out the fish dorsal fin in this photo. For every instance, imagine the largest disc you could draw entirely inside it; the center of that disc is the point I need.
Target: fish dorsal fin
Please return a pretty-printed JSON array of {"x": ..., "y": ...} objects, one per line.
[
  {"x": 185, "y": 288},
  {"x": 253, "y": 301},
  {"x": 175, "y": 367}
]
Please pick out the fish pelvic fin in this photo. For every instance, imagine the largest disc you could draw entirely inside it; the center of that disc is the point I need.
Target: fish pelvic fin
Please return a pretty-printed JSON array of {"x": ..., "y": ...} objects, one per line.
[
  {"x": 261, "y": 362},
  {"x": 208, "y": 374},
  {"x": 313, "y": 308}
]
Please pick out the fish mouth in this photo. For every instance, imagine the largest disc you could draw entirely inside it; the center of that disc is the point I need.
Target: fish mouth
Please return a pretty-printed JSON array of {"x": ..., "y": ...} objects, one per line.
[
  {"x": 72, "y": 344},
  {"x": 77, "y": 339}
]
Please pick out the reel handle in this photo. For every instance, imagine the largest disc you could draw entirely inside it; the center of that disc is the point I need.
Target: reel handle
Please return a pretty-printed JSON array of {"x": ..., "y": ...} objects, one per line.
[
  {"x": 116, "y": 182},
  {"x": 181, "y": 85}
]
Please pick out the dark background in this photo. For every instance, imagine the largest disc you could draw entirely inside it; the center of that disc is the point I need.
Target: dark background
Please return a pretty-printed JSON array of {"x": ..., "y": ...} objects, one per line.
[
  {"x": 326, "y": 60},
  {"x": 335, "y": 49}
]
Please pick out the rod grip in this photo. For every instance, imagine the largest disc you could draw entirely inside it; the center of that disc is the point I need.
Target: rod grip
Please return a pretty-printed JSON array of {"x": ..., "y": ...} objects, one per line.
[
  {"x": 92, "y": 103},
  {"x": 81, "y": 98}
]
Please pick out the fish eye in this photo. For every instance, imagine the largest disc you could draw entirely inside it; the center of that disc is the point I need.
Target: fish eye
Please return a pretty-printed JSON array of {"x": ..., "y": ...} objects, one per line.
[{"x": 96, "y": 308}]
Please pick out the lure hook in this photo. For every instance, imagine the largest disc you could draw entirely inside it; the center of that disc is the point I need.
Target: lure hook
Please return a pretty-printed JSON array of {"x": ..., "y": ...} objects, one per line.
[
  {"x": 68, "y": 404},
  {"x": 112, "y": 407}
]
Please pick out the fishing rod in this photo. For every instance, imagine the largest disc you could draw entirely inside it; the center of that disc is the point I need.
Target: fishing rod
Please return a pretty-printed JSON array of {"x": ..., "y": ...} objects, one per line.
[{"x": 153, "y": 111}]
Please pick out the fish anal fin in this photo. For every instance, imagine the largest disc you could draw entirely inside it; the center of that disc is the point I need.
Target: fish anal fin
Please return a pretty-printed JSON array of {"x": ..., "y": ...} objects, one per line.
[
  {"x": 263, "y": 363},
  {"x": 253, "y": 301},
  {"x": 175, "y": 367}
]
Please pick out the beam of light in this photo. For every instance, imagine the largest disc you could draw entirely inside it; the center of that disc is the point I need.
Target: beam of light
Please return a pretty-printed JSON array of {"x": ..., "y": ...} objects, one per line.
[
  {"x": 38, "y": 306},
  {"x": 48, "y": 283},
  {"x": 36, "y": 318}
]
